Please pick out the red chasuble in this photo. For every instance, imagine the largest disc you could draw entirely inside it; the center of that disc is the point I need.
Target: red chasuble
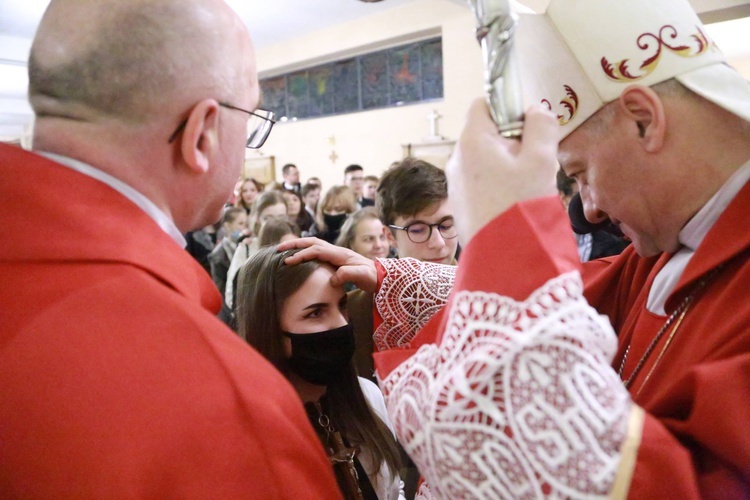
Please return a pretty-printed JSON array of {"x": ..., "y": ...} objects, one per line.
[
  {"x": 691, "y": 440},
  {"x": 116, "y": 378}
]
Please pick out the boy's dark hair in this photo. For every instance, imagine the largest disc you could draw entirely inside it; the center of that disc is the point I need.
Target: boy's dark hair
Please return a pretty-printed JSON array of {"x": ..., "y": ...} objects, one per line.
[
  {"x": 230, "y": 214},
  {"x": 409, "y": 187},
  {"x": 352, "y": 168},
  {"x": 307, "y": 188},
  {"x": 285, "y": 169},
  {"x": 275, "y": 229}
]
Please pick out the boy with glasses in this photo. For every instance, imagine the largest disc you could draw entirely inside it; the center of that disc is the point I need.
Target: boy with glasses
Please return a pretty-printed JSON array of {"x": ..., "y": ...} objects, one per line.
[{"x": 412, "y": 199}]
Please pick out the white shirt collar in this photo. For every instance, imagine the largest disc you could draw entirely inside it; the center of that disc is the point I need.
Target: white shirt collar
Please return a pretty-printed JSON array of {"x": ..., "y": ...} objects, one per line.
[
  {"x": 691, "y": 237},
  {"x": 696, "y": 229},
  {"x": 162, "y": 219}
]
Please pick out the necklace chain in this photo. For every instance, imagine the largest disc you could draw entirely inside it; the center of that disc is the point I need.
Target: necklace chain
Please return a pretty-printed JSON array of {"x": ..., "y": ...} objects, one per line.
[
  {"x": 323, "y": 420},
  {"x": 677, "y": 315}
]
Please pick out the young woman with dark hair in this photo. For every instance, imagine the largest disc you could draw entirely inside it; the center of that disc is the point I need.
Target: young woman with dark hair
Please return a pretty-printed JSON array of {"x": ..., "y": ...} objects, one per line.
[
  {"x": 297, "y": 320},
  {"x": 296, "y": 210}
]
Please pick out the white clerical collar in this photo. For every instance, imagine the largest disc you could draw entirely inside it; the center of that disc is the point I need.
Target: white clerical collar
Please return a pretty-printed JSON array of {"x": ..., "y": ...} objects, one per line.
[
  {"x": 162, "y": 219},
  {"x": 691, "y": 236},
  {"x": 696, "y": 229}
]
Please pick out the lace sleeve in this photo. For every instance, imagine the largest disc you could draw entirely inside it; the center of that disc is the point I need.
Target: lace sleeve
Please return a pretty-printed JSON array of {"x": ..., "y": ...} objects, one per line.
[
  {"x": 518, "y": 401},
  {"x": 410, "y": 294}
]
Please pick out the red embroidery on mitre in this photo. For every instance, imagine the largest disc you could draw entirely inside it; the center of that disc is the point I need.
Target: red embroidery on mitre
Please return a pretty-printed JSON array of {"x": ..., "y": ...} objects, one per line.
[
  {"x": 620, "y": 72},
  {"x": 570, "y": 103}
]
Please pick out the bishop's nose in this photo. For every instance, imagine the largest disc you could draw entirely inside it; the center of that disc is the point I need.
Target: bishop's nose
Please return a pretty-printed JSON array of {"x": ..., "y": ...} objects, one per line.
[
  {"x": 587, "y": 218},
  {"x": 592, "y": 212}
]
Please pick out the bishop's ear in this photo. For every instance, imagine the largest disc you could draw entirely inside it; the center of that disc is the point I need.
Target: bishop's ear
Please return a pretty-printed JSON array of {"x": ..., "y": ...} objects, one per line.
[
  {"x": 200, "y": 137},
  {"x": 645, "y": 110}
]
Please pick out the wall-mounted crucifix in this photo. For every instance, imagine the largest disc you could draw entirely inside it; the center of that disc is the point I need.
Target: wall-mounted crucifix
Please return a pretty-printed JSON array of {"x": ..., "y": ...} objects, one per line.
[{"x": 433, "y": 118}]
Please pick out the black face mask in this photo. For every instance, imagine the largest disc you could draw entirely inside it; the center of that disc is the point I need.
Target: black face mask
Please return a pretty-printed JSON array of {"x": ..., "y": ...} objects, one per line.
[
  {"x": 321, "y": 357},
  {"x": 334, "y": 222}
]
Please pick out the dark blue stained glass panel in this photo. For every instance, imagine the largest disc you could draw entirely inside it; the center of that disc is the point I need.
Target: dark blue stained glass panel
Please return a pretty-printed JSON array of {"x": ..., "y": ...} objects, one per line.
[
  {"x": 298, "y": 95},
  {"x": 402, "y": 75},
  {"x": 345, "y": 86},
  {"x": 321, "y": 90},
  {"x": 432, "y": 70},
  {"x": 374, "y": 80},
  {"x": 274, "y": 95},
  {"x": 405, "y": 71}
]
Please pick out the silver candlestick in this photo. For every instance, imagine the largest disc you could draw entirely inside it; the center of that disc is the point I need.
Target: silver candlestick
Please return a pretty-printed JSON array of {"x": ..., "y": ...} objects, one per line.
[{"x": 496, "y": 24}]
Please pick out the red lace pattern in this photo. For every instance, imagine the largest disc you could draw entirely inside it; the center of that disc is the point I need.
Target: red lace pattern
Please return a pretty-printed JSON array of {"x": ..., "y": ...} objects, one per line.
[{"x": 410, "y": 294}]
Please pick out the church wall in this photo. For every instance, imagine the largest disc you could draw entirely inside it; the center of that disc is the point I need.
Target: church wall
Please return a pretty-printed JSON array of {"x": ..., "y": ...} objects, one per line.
[{"x": 374, "y": 139}]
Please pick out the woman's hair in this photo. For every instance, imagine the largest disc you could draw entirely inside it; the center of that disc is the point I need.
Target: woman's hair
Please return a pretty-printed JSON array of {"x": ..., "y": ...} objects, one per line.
[
  {"x": 349, "y": 229},
  {"x": 343, "y": 196},
  {"x": 267, "y": 199},
  {"x": 263, "y": 201},
  {"x": 230, "y": 214},
  {"x": 240, "y": 202},
  {"x": 289, "y": 192},
  {"x": 265, "y": 283},
  {"x": 275, "y": 229}
]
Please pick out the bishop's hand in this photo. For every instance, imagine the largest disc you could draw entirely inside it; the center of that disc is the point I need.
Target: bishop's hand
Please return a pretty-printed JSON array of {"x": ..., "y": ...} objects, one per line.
[{"x": 350, "y": 265}]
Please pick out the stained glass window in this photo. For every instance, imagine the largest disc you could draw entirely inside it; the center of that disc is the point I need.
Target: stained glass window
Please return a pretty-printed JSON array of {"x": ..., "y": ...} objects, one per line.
[
  {"x": 393, "y": 77},
  {"x": 346, "y": 86}
]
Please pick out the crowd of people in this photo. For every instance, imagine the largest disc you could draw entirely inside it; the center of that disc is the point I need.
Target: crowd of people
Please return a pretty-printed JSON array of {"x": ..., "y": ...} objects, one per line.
[
  {"x": 411, "y": 219},
  {"x": 423, "y": 332}
]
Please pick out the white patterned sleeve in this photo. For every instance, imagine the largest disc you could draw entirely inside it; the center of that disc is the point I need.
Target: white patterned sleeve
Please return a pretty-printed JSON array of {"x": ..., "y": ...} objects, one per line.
[
  {"x": 410, "y": 294},
  {"x": 519, "y": 399}
]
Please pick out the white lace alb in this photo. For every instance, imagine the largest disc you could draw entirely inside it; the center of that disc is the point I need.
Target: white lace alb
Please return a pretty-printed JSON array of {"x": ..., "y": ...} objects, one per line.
[{"x": 518, "y": 401}]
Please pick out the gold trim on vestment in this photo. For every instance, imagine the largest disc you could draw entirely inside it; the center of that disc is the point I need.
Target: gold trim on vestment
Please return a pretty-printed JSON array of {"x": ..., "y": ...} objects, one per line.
[{"x": 629, "y": 453}]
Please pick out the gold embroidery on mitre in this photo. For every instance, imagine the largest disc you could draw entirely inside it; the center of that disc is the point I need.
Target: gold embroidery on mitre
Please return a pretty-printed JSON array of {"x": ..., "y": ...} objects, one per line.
[
  {"x": 570, "y": 103},
  {"x": 620, "y": 72}
]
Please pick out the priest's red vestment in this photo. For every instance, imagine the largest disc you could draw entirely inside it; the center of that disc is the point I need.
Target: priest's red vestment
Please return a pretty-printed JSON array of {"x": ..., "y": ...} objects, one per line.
[{"x": 116, "y": 378}]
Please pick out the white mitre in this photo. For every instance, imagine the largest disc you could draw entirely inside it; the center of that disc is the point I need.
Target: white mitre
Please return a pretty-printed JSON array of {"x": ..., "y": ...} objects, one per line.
[{"x": 581, "y": 54}]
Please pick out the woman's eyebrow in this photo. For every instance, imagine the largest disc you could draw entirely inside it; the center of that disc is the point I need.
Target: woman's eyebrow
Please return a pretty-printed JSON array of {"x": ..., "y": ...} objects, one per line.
[{"x": 316, "y": 306}]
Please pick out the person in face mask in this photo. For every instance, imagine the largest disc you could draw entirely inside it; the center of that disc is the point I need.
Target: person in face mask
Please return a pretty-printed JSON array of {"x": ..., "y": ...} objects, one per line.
[
  {"x": 297, "y": 320},
  {"x": 333, "y": 210},
  {"x": 234, "y": 227}
]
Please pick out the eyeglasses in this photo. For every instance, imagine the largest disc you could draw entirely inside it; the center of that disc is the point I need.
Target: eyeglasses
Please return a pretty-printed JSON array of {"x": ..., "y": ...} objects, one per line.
[
  {"x": 259, "y": 126},
  {"x": 419, "y": 232}
]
